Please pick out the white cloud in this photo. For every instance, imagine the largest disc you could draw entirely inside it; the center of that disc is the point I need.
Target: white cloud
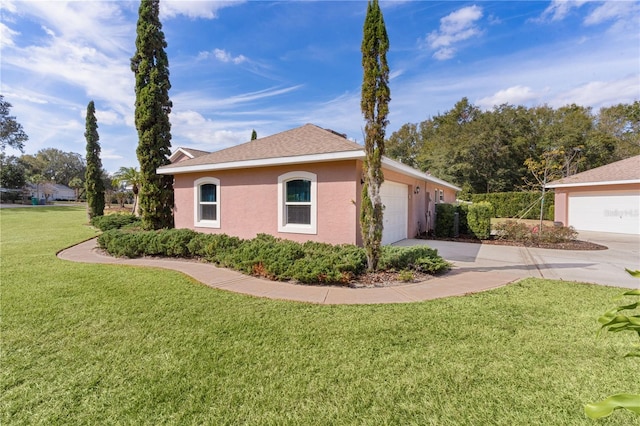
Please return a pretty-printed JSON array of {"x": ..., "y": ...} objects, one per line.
[
  {"x": 9, "y": 6},
  {"x": 444, "y": 53},
  {"x": 194, "y": 9},
  {"x": 601, "y": 93},
  {"x": 108, "y": 117},
  {"x": 6, "y": 36},
  {"x": 516, "y": 95},
  {"x": 223, "y": 56},
  {"x": 203, "y": 133},
  {"x": 624, "y": 13},
  {"x": 455, "y": 27},
  {"x": 559, "y": 9}
]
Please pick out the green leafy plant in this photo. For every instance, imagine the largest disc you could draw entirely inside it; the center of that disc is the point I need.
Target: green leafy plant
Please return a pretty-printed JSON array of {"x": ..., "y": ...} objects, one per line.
[
  {"x": 479, "y": 219},
  {"x": 614, "y": 321},
  {"x": 268, "y": 256},
  {"x": 114, "y": 221},
  {"x": 406, "y": 276}
]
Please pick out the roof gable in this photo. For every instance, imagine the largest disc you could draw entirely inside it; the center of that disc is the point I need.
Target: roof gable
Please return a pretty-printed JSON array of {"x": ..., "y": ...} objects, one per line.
[
  {"x": 623, "y": 171},
  {"x": 305, "y": 140}
]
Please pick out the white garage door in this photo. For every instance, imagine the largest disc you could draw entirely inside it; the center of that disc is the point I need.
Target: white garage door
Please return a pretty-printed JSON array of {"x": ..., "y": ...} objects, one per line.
[
  {"x": 617, "y": 212},
  {"x": 395, "y": 198}
]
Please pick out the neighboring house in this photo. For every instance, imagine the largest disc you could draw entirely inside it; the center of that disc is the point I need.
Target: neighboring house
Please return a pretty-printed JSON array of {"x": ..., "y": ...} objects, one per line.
[
  {"x": 302, "y": 184},
  {"x": 63, "y": 193},
  {"x": 605, "y": 199},
  {"x": 51, "y": 192}
]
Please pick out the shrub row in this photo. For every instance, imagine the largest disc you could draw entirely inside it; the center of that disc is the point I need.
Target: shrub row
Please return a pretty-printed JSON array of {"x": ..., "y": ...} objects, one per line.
[
  {"x": 514, "y": 204},
  {"x": 115, "y": 221},
  {"x": 268, "y": 256},
  {"x": 473, "y": 219},
  {"x": 512, "y": 230}
]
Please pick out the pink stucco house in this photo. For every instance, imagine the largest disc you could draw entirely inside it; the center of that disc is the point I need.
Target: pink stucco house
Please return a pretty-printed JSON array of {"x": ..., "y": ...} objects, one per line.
[
  {"x": 302, "y": 184},
  {"x": 604, "y": 199}
]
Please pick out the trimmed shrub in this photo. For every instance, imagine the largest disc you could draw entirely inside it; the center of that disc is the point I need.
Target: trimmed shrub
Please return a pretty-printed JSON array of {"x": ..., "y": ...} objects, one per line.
[
  {"x": 114, "y": 221},
  {"x": 479, "y": 219},
  {"x": 268, "y": 256},
  {"x": 445, "y": 220},
  {"x": 515, "y": 204},
  {"x": 419, "y": 258}
]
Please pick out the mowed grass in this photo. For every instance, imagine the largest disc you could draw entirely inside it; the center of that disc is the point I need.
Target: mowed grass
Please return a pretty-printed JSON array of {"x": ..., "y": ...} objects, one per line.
[{"x": 108, "y": 344}]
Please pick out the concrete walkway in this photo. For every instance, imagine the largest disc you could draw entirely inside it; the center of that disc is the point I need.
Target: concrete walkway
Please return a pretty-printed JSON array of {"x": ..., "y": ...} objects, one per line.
[{"x": 455, "y": 283}]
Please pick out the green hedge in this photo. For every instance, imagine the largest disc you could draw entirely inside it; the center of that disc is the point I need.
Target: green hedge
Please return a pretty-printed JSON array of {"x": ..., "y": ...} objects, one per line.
[
  {"x": 479, "y": 219},
  {"x": 514, "y": 204},
  {"x": 115, "y": 221},
  {"x": 445, "y": 220},
  {"x": 268, "y": 256}
]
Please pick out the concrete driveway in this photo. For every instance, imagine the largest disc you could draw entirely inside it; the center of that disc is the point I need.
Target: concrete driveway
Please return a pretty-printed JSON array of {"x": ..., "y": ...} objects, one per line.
[{"x": 605, "y": 267}]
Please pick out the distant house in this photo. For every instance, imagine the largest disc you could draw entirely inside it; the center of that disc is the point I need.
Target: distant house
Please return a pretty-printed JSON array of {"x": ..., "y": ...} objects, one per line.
[
  {"x": 604, "y": 199},
  {"x": 51, "y": 192},
  {"x": 302, "y": 184}
]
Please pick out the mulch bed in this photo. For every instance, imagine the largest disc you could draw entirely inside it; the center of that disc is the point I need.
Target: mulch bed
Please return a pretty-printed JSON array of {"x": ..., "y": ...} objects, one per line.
[{"x": 568, "y": 245}]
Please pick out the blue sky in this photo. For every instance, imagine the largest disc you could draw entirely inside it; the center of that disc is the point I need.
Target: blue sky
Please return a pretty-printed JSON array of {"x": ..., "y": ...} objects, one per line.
[{"x": 271, "y": 66}]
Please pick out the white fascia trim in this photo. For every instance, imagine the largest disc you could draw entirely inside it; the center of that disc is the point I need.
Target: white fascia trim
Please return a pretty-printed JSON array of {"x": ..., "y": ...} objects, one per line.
[
  {"x": 265, "y": 162},
  {"x": 609, "y": 182},
  {"x": 397, "y": 166},
  {"x": 178, "y": 151}
]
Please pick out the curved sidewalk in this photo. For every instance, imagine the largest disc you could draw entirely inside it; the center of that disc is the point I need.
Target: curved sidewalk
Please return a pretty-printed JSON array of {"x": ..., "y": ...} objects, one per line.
[{"x": 454, "y": 283}]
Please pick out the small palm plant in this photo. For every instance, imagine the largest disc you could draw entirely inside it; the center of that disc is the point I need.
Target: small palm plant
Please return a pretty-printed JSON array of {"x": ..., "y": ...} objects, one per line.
[
  {"x": 129, "y": 176},
  {"x": 614, "y": 321}
]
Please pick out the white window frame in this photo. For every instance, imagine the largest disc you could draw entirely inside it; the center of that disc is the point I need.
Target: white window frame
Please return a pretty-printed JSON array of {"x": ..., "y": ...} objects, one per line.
[
  {"x": 441, "y": 196},
  {"x": 197, "y": 222},
  {"x": 296, "y": 228}
]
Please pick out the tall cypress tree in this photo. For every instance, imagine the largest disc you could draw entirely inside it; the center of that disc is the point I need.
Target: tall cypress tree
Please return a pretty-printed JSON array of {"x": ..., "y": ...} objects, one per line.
[
  {"x": 375, "y": 108},
  {"x": 153, "y": 106},
  {"x": 93, "y": 175}
]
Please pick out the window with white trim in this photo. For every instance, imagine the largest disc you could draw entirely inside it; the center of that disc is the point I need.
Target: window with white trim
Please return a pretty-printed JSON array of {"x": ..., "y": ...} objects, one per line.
[
  {"x": 297, "y": 203},
  {"x": 207, "y": 202},
  {"x": 441, "y": 196}
]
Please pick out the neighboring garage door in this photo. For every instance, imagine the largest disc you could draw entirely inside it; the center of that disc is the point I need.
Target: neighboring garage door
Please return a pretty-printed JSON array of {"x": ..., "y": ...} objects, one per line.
[
  {"x": 615, "y": 212},
  {"x": 395, "y": 198}
]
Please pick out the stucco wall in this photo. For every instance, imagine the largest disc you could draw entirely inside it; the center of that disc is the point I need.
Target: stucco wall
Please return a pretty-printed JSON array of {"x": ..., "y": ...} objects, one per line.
[{"x": 249, "y": 202}]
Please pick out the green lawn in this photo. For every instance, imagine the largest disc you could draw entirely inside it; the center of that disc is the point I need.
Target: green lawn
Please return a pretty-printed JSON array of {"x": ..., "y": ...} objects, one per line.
[{"x": 104, "y": 344}]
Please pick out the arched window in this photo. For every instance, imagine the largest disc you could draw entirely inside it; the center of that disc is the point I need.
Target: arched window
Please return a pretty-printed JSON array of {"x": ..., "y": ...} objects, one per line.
[
  {"x": 297, "y": 203},
  {"x": 207, "y": 202}
]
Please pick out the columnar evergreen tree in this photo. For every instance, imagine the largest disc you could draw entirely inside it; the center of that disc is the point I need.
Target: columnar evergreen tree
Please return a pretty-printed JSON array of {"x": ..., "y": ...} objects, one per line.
[
  {"x": 254, "y": 135},
  {"x": 153, "y": 106},
  {"x": 375, "y": 108},
  {"x": 93, "y": 175}
]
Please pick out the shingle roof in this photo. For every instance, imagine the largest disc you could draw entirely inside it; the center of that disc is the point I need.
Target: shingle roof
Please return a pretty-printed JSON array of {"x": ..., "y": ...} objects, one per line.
[
  {"x": 620, "y": 171},
  {"x": 305, "y": 140},
  {"x": 195, "y": 152}
]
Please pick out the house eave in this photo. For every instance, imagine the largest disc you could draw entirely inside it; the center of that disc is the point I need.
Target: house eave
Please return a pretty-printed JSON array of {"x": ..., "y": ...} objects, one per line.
[
  {"x": 582, "y": 184},
  {"x": 304, "y": 159},
  {"x": 263, "y": 162},
  {"x": 397, "y": 166}
]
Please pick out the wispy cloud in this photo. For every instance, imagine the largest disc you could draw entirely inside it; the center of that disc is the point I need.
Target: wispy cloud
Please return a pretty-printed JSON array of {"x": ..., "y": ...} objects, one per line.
[
  {"x": 222, "y": 56},
  {"x": 624, "y": 14},
  {"x": 194, "y": 9},
  {"x": 559, "y": 9},
  {"x": 454, "y": 28},
  {"x": 6, "y": 36},
  {"x": 516, "y": 95},
  {"x": 196, "y": 100}
]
